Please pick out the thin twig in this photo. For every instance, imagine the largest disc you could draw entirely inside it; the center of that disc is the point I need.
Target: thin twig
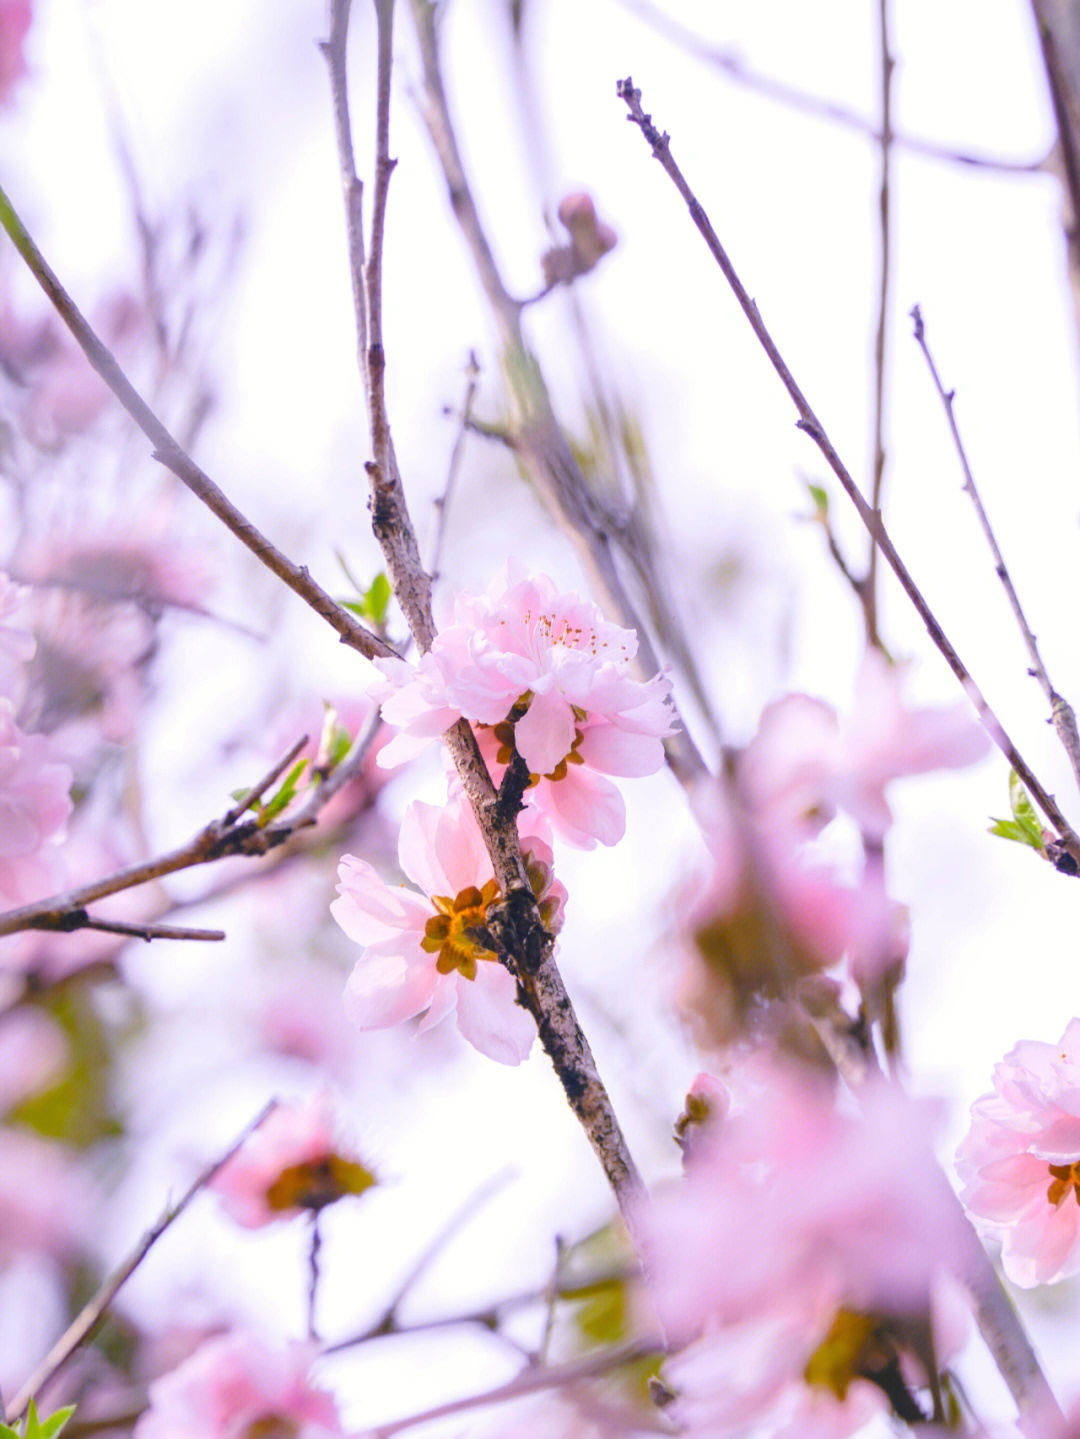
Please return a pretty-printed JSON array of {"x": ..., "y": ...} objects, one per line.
[
  {"x": 1064, "y": 720},
  {"x": 169, "y": 452},
  {"x": 92, "y": 1313},
  {"x": 528, "y": 943},
  {"x": 871, "y": 518},
  {"x": 869, "y": 596},
  {"x": 313, "y": 1274},
  {"x": 735, "y": 68},
  {"x": 72, "y": 920},
  {"x": 530, "y": 1381},
  {"x": 229, "y": 835},
  {"x": 442, "y": 502}
]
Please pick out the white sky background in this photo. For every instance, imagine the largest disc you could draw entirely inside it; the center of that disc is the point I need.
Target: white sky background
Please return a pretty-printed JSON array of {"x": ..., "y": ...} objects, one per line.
[{"x": 227, "y": 106}]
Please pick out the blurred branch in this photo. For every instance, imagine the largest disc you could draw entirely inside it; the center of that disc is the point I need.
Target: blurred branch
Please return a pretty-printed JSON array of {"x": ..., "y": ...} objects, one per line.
[
  {"x": 870, "y": 517},
  {"x": 1064, "y": 720},
  {"x": 1058, "y": 25},
  {"x": 869, "y": 594},
  {"x": 735, "y": 69},
  {"x": 442, "y": 502},
  {"x": 169, "y": 453},
  {"x": 535, "y": 434},
  {"x": 528, "y": 943},
  {"x": 90, "y": 1316}
]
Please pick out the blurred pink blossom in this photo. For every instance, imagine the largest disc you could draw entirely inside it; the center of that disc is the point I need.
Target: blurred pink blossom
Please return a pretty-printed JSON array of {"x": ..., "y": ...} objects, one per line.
[
  {"x": 46, "y": 1202},
  {"x": 292, "y": 1164},
  {"x": 33, "y": 1054},
  {"x": 547, "y": 676},
  {"x": 15, "y": 17},
  {"x": 422, "y": 951},
  {"x": 240, "y": 1386},
  {"x": 1020, "y": 1161},
  {"x": 34, "y": 806},
  {"x": 850, "y": 1211}
]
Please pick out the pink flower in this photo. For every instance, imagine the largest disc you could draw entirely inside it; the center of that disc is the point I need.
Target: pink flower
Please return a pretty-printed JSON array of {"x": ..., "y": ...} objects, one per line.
[
  {"x": 1020, "y": 1161},
  {"x": 291, "y": 1164},
  {"x": 427, "y": 952},
  {"x": 236, "y": 1387},
  {"x": 15, "y": 16},
  {"x": 806, "y": 762},
  {"x": 34, "y": 805},
  {"x": 547, "y": 678},
  {"x": 46, "y": 1202},
  {"x": 792, "y": 1197}
]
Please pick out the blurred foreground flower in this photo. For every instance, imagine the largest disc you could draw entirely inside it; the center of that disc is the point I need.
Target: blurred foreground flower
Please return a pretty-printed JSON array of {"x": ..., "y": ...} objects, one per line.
[
  {"x": 15, "y": 16},
  {"x": 800, "y": 1258},
  {"x": 238, "y": 1387},
  {"x": 431, "y": 951},
  {"x": 291, "y": 1164},
  {"x": 547, "y": 679},
  {"x": 1020, "y": 1160}
]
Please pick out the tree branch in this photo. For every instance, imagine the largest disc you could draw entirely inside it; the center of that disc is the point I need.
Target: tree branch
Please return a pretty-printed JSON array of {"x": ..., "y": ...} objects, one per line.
[
  {"x": 90, "y": 1316},
  {"x": 870, "y": 517}
]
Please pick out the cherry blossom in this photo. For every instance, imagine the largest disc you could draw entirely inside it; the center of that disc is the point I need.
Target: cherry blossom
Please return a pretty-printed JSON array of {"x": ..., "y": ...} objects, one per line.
[
  {"x": 239, "y": 1385},
  {"x": 426, "y": 953},
  {"x": 548, "y": 679},
  {"x": 34, "y": 805},
  {"x": 1020, "y": 1161},
  {"x": 293, "y": 1163},
  {"x": 801, "y": 1249}
]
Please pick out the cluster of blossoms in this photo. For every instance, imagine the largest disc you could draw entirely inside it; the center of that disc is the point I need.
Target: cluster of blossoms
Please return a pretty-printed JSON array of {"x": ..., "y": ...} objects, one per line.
[
  {"x": 797, "y": 1265},
  {"x": 773, "y": 908},
  {"x": 1020, "y": 1161},
  {"x": 546, "y": 682}
]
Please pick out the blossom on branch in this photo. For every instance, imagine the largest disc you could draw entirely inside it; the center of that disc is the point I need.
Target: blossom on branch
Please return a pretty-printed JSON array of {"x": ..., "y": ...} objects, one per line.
[
  {"x": 433, "y": 951},
  {"x": 292, "y": 1164},
  {"x": 240, "y": 1386},
  {"x": 1020, "y": 1161},
  {"x": 547, "y": 680}
]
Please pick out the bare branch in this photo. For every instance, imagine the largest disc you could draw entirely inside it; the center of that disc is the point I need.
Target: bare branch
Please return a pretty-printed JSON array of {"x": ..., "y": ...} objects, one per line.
[
  {"x": 442, "y": 502},
  {"x": 169, "y": 452},
  {"x": 871, "y": 518},
  {"x": 90, "y": 1316},
  {"x": 1061, "y": 712}
]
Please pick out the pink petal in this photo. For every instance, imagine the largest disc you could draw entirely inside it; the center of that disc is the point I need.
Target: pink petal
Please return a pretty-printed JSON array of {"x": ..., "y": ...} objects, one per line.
[{"x": 490, "y": 1019}]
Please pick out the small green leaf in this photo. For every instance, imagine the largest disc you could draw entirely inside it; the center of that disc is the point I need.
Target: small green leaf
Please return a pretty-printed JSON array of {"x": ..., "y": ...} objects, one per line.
[
  {"x": 377, "y": 598},
  {"x": 55, "y": 1422},
  {"x": 820, "y": 497},
  {"x": 283, "y": 796},
  {"x": 36, "y": 1428},
  {"x": 1024, "y": 811},
  {"x": 1008, "y": 829}
]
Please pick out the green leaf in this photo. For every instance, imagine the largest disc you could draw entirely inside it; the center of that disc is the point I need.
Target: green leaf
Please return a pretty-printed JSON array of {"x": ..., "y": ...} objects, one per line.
[
  {"x": 1024, "y": 811},
  {"x": 377, "y": 598},
  {"x": 283, "y": 796},
  {"x": 820, "y": 497},
  {"x": 36, "y": 1428},
  {"x": 1008, "y": 829}
]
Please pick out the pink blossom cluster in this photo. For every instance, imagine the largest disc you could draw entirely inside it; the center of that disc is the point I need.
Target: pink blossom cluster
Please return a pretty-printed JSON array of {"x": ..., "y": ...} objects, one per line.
[
  {"x": 543, "y": 676},
  {"x": 805, "y": 766},
  {"x": 237, "y": 1386},
  {"x": 1020, "y": 1161},
  {"x": 797, "y": 1256},
  {"x": 15, "y": 17},
  {"x": 430, "y": 952}
]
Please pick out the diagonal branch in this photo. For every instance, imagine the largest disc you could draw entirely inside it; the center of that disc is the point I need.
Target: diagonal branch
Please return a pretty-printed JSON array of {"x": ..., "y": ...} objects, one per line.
[
  {"x": 870, "y": 517},
  {"x": 169, "y": 452},
  {"x": 90, "y": 1316}
]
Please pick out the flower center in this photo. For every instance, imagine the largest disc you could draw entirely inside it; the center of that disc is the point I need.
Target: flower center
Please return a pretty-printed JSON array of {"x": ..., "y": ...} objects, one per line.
[
  {"x": 504, "y": 733},
  {"x": 455, "y": 931},
  {"x": 317, "y": 1183},
  {"x": 1065, "y": 1179},
  {"x": 838, "y": 1358}
]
